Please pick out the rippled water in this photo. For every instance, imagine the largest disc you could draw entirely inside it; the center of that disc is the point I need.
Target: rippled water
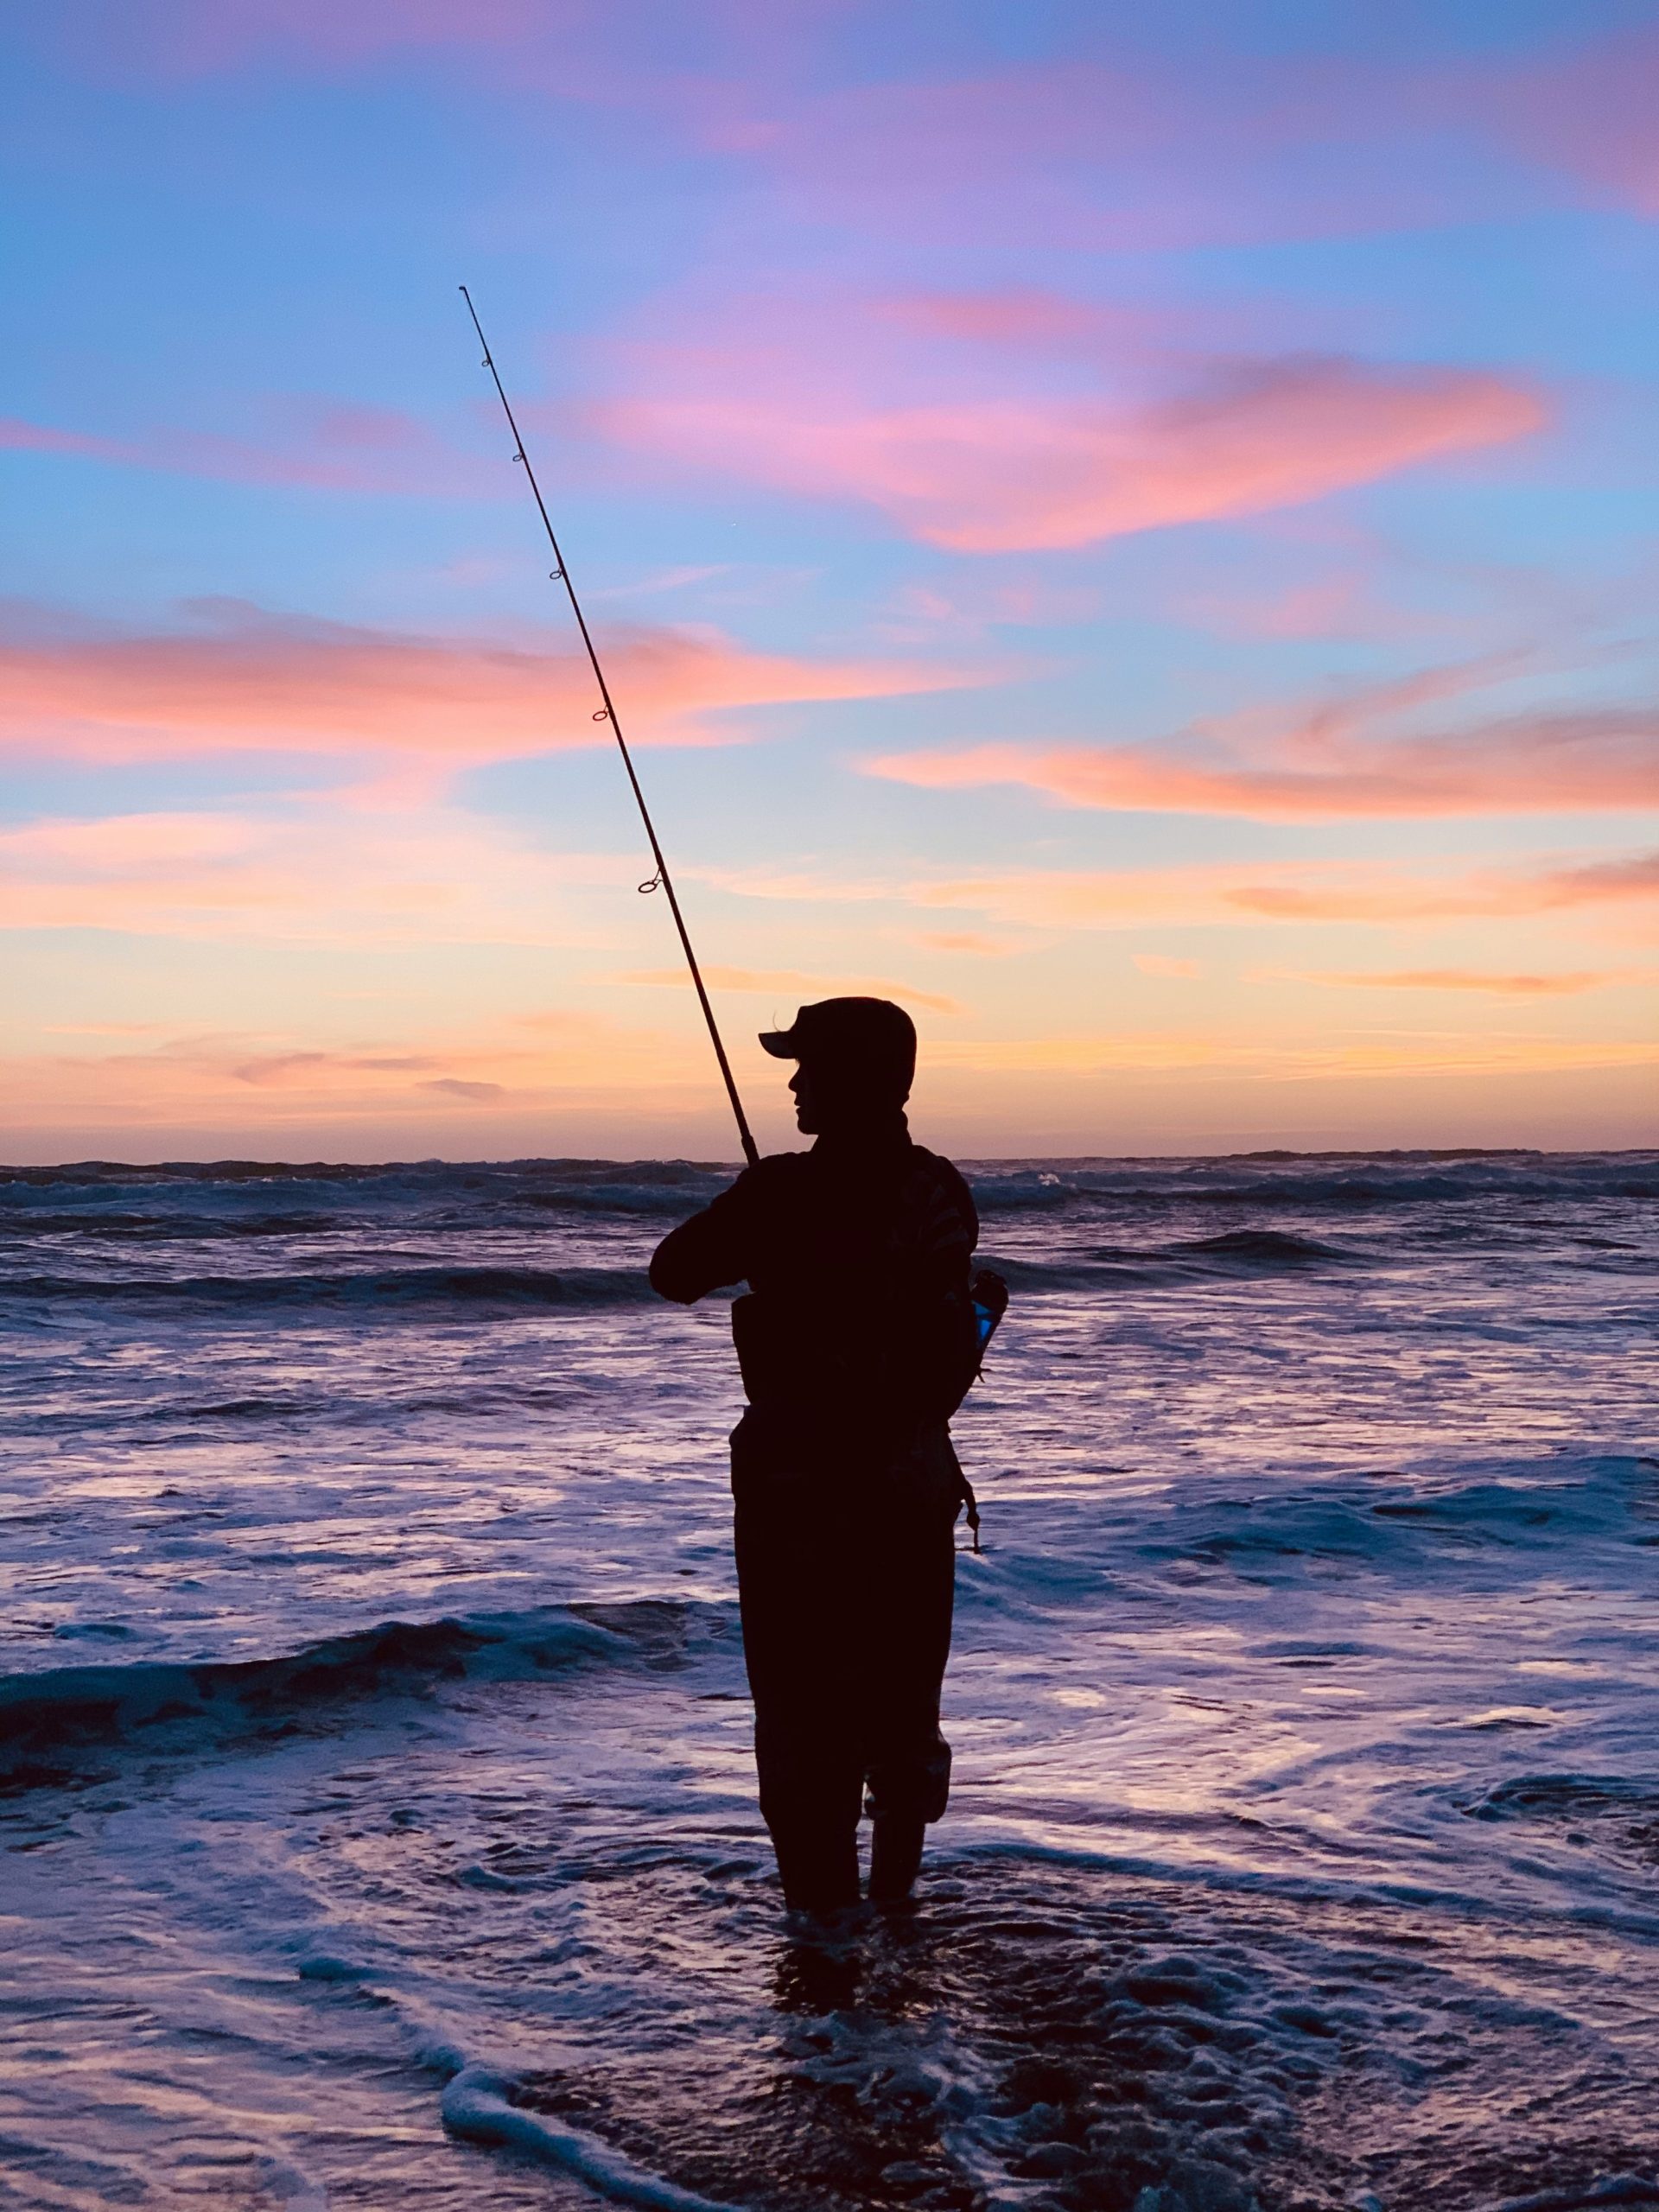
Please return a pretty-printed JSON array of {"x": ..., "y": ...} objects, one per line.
[{"x": 378, "y": 1815}]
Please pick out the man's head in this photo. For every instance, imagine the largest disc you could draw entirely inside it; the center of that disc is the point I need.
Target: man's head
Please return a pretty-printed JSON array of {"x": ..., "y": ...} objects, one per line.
[{"x": 857, "y": 1060}]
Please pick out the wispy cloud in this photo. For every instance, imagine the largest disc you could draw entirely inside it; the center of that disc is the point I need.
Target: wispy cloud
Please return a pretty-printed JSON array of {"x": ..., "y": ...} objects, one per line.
[
  {"x": 1220, "y": 894},
  {"x": 321, "y": 445},
  {"x": 571, "y": 1065},
  {"x": 973, "y": 942},
  {"x": 1105, "y": 145},
  {"x": 244, "y": 680},
  {"x": 1332, "y": 760},
  {"x": 221, "y": 1080},
  {"x": 1385, "y": 895},
  {"x": 1111, "y": 145},
  {"x": 1026, "y": 473},
  {"x": 1566, "y": 983},
  {"x": 1588, "y": 111},
  {"x": 764, "y": 983},
  {"x": 478, "y": 1094},
  {"x": 1354, "y": 1056},
  {"x": 332, "y": 873}
]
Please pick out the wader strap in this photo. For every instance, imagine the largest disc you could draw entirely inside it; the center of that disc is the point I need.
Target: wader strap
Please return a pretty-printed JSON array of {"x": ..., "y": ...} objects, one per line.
[{"x": 966, "y": 1497}]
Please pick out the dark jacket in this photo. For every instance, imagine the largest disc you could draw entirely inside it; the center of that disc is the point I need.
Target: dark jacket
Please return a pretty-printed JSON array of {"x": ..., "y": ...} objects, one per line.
[{"x": 857, "y": 1337}]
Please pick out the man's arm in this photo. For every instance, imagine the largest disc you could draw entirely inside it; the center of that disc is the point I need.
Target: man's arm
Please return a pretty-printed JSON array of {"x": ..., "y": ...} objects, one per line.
[{"x": 709, "y": 1251}]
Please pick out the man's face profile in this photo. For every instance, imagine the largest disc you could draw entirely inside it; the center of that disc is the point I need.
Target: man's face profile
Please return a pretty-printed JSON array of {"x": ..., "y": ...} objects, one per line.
[{"x": 806, "y": 1103}]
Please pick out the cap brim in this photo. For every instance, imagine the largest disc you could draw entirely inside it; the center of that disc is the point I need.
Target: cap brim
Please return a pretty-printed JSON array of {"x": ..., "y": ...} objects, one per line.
[{"x": 780, "y": 1043}]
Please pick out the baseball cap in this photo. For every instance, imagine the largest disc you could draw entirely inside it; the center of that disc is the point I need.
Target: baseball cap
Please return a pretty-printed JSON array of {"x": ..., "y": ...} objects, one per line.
[{"x": 868, "y": 1037}]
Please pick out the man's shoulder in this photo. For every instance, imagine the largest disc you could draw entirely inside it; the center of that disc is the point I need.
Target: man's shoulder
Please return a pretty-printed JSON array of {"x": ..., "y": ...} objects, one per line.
[
  {"x": 945, "y": 1187},
  {"x": 943, "y": 1170}
]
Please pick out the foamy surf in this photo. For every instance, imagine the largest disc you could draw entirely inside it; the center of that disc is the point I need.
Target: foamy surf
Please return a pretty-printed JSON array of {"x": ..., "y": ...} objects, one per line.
[{"x": 480, "y": 2107}]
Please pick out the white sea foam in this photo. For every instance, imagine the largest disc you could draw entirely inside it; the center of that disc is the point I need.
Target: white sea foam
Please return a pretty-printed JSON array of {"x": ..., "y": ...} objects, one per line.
[{"x": 478, "y": 2105}]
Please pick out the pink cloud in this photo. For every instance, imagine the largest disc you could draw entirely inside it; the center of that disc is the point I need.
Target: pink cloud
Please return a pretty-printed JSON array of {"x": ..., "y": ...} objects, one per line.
[
  {"x": 1204, "y": 896},
  {"x": 1026, "y": 315},
  {"x": 1592, "y": 111},
  {"x": 1379, "y": 895},
  {"x": 1590, "y": 761},
  {"x": 1108, "y": 147},
  {"x": 1102, "y": 151},
  {"x": 321, "y": 445},
  {"x": 999, "y": 475},
  {"x": 1113, "y": 148},
  {"x": 1343, "y": 605},
  {"x": 123, "y": 844},
  {"x": 1330, "y": 761},
  {"x": 1634, "y": 875},
  {"x": 250, "y": 681}
]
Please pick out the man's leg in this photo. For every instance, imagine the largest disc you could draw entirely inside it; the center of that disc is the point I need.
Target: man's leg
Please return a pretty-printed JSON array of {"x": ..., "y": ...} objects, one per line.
[
  {"x": 806, "y": 1746},
  {"x": 907, "y": 1645},
  {"x": 810, "y": 1793}
]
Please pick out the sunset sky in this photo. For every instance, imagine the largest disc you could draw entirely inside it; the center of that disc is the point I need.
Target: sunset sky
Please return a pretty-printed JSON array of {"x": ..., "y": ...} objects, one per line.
[{"x": 1131, "y": 529}]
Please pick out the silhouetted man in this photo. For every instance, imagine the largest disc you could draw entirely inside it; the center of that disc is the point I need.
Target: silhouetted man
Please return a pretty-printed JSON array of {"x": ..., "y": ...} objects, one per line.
[{"x": 857, "y": 1342}]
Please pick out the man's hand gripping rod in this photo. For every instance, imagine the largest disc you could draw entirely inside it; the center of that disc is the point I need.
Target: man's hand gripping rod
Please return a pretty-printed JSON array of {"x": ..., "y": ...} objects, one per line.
[{"x": 560, "y": 573}]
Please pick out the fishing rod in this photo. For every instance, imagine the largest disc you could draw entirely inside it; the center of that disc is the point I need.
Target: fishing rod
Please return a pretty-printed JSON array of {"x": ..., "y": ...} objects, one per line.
[{"x": 560, "y": 573}]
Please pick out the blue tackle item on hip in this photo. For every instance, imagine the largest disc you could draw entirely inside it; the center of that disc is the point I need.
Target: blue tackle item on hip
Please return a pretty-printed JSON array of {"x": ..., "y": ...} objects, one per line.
[{"x": 989, "y": 1294}]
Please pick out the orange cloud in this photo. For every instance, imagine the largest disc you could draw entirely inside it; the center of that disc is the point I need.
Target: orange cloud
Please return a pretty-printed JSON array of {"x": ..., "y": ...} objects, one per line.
[
  {"x": 478, "y": 1094},
  {"x": 1280, "y": 1061},
  {"x": 574, "y": 1062},
  {"x": 974, "y": 943},
  {"x": 1008, "y": 475},
  {"x": 581, "y": 1073},
  {"x": 250, "y": 681},
  {"x": 1566, "y": 984},
  {"x": 1159, "y": 963}
]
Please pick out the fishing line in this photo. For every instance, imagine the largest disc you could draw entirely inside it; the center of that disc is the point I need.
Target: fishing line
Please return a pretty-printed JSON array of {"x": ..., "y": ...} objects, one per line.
[{"x": 560, "y": 573}]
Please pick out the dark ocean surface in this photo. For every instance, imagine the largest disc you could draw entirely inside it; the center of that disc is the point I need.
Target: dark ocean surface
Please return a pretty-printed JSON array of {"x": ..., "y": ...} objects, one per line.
[{"x": 377, "y": 1808}]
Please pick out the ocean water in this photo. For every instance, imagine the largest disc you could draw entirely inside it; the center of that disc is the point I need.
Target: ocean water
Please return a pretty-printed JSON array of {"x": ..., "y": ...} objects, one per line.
[{"x": 378, "y": 1816}]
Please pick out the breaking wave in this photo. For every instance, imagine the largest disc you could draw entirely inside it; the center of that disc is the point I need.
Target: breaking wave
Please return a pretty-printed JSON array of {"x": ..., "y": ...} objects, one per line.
[
  {"x": 1236, "y": 1252},
  {"x": 202, "y": 1704},
  {"x": 1340, "y": 1181},
  {"x": 253, "y": 1199}
]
